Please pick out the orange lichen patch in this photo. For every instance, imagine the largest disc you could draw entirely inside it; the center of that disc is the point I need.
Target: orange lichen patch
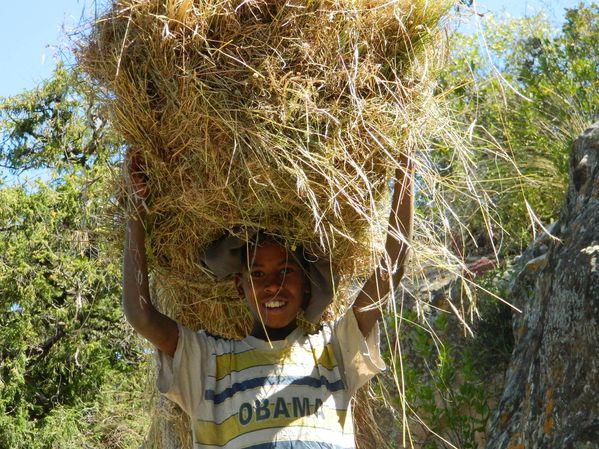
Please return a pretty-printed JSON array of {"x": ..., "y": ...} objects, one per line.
[
  {"x": 514, "y": 443},
  {"x": 548, "y": 425},
  {"x": 549, "y": 421},
  {"x": 504, "y": 418}
]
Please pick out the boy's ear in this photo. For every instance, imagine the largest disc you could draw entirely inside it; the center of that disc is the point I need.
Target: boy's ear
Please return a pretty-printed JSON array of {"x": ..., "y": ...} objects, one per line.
[{"x": 239, "y": 284}]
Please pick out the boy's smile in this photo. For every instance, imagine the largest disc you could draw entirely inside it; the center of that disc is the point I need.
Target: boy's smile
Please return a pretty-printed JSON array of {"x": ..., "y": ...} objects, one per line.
[{"x": 274, "y": 285}]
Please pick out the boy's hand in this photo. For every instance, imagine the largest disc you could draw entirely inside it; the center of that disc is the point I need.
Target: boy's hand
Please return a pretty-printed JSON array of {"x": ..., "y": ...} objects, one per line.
[{"x": 136, "y": 179}]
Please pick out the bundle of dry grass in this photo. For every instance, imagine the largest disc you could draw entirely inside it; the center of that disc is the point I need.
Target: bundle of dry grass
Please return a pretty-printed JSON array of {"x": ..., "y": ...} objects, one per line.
[{"x": 283, "y": 115}]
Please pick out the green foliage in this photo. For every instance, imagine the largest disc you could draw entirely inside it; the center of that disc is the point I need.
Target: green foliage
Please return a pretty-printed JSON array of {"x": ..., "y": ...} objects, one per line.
[
  {"x": 55, "y": 125},
  {"x": 66, "y": 352},
  {"x": 62, "y": 335},
  {"x": 531, "y": 89},
  {"x": 444, "y": 385}
]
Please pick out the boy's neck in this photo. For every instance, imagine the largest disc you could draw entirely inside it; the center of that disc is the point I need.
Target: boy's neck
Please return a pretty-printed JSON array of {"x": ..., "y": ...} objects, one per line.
[{"x": 268, "y": 333}]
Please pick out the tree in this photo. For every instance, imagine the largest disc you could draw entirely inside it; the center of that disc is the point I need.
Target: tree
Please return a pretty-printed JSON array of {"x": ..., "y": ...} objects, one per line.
[
  {"x": 55, "y": 126},
  {"x": 65, "y": 350},
  {"x": 527, "y": 88}
]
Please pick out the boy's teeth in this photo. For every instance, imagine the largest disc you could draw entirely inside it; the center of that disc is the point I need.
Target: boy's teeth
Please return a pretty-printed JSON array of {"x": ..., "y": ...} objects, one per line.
[{"x": 272, "y": 304}]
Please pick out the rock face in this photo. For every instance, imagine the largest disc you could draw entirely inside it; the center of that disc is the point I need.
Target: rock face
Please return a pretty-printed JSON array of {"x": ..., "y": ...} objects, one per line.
[{"x": 551, "y": 394}]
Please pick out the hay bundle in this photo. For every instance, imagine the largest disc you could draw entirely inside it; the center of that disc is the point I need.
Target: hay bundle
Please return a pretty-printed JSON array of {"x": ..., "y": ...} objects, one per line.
[{"x": 283, "y": 115}]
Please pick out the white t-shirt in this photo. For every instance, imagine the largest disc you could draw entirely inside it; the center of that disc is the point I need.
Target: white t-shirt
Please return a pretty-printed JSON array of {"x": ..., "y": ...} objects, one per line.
[{"x": 294, "y": 394}]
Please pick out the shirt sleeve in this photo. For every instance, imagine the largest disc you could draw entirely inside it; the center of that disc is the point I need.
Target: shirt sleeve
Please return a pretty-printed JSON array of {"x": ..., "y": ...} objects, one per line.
[
  {"x": 181, "y": 378},
  {"x": 359, "y": 358}
]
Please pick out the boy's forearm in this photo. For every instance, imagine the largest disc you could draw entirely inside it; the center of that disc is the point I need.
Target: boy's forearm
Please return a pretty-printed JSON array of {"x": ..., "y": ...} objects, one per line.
[
  {"x": 392, "y": 266},
  {"x": 159, "y": 329},
  {"x": 136, "y": 292},
  {"x": 401, "y": 221}
]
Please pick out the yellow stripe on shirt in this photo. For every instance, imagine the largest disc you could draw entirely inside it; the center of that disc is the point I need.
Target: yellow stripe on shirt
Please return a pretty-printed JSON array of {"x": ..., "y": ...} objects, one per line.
[{"x": 227, "y": 363}]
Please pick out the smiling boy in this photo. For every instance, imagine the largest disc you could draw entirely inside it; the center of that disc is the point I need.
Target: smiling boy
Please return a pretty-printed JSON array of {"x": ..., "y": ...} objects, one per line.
[
  {"x": 278, "y": 387},
  {"x": 276, "y": 288}
]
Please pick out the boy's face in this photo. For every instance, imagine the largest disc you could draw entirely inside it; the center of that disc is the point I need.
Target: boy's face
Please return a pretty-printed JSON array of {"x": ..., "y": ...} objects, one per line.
[{"x": 274, "y": 285}]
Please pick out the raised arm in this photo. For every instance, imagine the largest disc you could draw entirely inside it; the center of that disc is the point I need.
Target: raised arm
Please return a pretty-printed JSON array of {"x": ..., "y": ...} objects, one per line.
[
  {"x": 159, "y": 329},
  {"x": 392, "y": 265}
]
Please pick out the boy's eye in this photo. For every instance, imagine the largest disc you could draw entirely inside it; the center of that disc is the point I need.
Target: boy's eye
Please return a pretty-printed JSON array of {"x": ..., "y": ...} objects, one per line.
[{"x": 256, "y": 274}]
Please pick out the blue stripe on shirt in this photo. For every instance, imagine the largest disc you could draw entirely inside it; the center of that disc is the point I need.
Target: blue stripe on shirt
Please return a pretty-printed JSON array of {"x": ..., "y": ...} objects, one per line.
[
  {"x": 296, "y": 445},
  {"x": 256, "y": 382}
]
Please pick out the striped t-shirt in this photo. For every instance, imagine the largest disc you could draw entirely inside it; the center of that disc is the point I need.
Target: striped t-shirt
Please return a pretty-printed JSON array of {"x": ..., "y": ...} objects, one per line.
[{"x": 294, "y": 394}]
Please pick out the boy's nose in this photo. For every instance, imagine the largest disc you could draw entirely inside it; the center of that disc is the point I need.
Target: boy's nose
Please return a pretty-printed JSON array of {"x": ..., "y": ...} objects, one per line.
[{"x": 273, "y": 283}]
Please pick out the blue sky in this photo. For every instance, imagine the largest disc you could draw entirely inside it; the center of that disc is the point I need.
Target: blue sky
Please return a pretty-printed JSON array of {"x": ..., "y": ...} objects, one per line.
[
  {"x": 32, "y": 37},
  {"x": 32, "y": 33}
]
